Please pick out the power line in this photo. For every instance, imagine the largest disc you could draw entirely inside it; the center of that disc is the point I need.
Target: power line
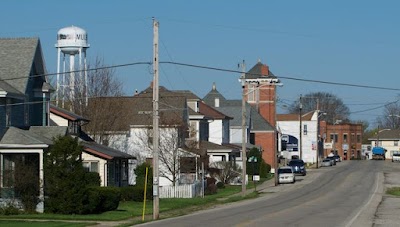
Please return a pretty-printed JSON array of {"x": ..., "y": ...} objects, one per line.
[{"x": 281, "y": 77}]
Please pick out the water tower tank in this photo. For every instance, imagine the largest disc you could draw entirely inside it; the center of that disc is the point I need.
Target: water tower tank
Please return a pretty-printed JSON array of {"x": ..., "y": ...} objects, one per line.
[{"x": 71, "y": 39}]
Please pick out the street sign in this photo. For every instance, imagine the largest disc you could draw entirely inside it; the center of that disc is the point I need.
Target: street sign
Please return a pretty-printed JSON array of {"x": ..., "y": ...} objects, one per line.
[
  {"x": 328, "y": 146},
  {"x": 256, "y": 178}
]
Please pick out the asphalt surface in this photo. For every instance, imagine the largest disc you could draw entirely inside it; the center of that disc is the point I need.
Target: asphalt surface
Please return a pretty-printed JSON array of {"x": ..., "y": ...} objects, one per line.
[
  {"x": 350, "y": 194},
  {"x": 380, "y": 209}
]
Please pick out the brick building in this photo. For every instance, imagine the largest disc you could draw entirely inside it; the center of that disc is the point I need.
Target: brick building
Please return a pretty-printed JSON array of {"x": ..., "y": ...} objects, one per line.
[{"x": 344, "y": 139}]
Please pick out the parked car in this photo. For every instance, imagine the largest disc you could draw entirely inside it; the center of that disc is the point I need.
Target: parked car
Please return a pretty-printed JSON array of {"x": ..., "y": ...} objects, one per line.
[
  {"x": 286, "y": 175},
  {"x": 298, "y": 166},
  {"x": 326, "y": 162},
  {"x": 333, "y": 160},
  {"x": 396, "y": 156},
  {"x": 337, "y": 158}
]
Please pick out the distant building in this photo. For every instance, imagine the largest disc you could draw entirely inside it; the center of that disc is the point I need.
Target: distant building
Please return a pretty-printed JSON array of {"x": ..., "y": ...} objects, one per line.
[
  {"x": 343, "y": 139},
  {"x": 388, "y": 139}
]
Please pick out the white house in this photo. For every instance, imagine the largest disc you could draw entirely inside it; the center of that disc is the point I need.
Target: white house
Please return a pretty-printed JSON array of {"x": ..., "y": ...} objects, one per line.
[
  {"x": 289, "y": 132},
  {"x": 111, "y": 164},
  {"x": 388, "y": 139}
]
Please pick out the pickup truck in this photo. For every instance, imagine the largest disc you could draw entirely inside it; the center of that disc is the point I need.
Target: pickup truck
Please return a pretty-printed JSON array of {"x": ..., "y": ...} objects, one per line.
[{"x": 396, "y": 156}]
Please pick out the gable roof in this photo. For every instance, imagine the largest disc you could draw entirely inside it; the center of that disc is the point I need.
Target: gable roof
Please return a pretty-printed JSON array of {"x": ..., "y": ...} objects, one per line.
[
  {"x": 392, "y": 134},
  {"x": 258, "y": 71},
  {"x": 212, "y": 95},
  {"x": 66, "y": 114},
  {"x": 213, "y": 146},
  {"x": 258, "y": 122},
  {"x": 18, "y": 56},
  {"x": 138, "y": 110},
  {"x": 295, "y": 117},
  {"x": 33, "y": 136},
  {"x": 104, "y": 152},
  {"x": 44, "y": 135},
  {"x": 208, "y": 111}
]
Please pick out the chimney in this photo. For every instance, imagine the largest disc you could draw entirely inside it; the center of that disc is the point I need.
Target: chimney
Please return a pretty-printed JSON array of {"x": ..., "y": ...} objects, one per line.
[
  {"x": 264, "y": 70},
  {"x": 151, "y": 84}
]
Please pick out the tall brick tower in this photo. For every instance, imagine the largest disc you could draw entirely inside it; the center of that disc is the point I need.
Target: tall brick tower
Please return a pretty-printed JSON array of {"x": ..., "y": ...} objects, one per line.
[{"x": 260, "y": 92}]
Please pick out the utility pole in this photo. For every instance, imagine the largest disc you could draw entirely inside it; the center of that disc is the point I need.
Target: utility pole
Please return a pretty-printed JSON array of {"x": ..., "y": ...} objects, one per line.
[
  {"x": 300, "y": 132},
  {"x": 156, "y": 199},
  {"x": 244, "y": 158},
  {"x": 317, "y": 142},
  {"x": 276, "y": 164}
]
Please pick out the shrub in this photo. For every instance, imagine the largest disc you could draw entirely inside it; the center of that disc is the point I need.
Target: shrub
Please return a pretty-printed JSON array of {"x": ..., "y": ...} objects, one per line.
[
  {"x": 265, "y": 168},
  {"x": 92, "y": 179},
  {"x": 210, "y": 180},
  {"x": 27, "y": 183},
  {"x": 220, "y": 185},
  {"x": 140, "y": 173},
  {"x": 210, "y": 189},
  {"x": 136, "y": 193},
  {"x": 109, "y": 198},
  {"x": 9, "y": 210},
  {"x": 101, "y": 199}
]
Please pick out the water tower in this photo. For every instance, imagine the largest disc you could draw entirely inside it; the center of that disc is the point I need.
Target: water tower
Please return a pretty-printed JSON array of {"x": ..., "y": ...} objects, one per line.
[{"x": 71, "y": 41}]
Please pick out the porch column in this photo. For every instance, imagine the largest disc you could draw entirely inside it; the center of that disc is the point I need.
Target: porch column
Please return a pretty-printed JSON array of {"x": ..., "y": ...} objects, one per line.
[{"x": 40, "y": 206}]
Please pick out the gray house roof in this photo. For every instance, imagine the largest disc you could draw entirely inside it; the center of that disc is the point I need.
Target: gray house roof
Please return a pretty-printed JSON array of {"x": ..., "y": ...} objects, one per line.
[
  {"x": 259, "y": 71},
  {"x": 49, "y": 132},
  {"x": 233, "y": 108},
  {"x": 212, "y": 95},
  {"x": 23, "y": 137},
  {"x": 258, "y": 123},
  {"x": 104, "y": 151},
  {"x": 66, "y": 114},
  {"x": 391, "y": 134},
  {"x": 18, "y": 56}
]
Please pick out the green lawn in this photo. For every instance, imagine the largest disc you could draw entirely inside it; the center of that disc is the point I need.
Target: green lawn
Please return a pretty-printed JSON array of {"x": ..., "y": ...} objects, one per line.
[
  {"x": 393, "y": 191},
  {"x": 11, "y": 223},
  {"x": 129, "y": 209}
]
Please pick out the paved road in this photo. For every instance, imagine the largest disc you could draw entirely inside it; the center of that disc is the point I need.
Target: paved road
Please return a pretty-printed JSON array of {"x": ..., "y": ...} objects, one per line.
[
  {"x": 337, "y": 196},
  {"x": 383, "y": 210}
]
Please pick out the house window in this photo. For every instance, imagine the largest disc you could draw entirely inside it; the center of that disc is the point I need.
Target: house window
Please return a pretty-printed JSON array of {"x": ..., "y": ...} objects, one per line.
[
  {"x": 334, "y": 137},
  {"x": 150, "y": 137},
  {"x": 91, "y": 166},
  {"x": 395, "y": 143},
  {"x": 73, "y": 127},
  {"x": 252, "y": 93},
  {"x": 353, "y": 137},
  {"x": 252, "y": 138},
  {"x": 304, "y": 129},
  {"x": 344, "y": 138},
  {"x": 8, "y": 114},
  {"x": 358, "y": 138},
  {"x": 8, "y": 171}
]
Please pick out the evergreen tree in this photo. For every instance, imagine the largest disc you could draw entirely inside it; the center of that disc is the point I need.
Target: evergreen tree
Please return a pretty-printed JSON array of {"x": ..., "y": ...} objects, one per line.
[{"x": 65, "y": 185}]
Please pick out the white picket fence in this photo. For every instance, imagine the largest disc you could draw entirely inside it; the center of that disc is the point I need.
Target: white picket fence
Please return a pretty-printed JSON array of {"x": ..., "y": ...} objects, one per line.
[{"x": 181, "y": 191}]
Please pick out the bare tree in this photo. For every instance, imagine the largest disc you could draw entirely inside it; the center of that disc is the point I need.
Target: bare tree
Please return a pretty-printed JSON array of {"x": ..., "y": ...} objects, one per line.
[
  {"x": 326, "y": 102},
  {"x": 227, "y": 171},
  {"x": 101, "y": 82},
  {"x": 91, "y": 100},
  {"x": 169, "y": 149},
  {"x": 390, "y": 117}
]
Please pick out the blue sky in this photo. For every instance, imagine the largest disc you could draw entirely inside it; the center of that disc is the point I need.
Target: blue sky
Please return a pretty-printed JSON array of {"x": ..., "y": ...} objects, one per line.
[{"x": 355, "y": 42}]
